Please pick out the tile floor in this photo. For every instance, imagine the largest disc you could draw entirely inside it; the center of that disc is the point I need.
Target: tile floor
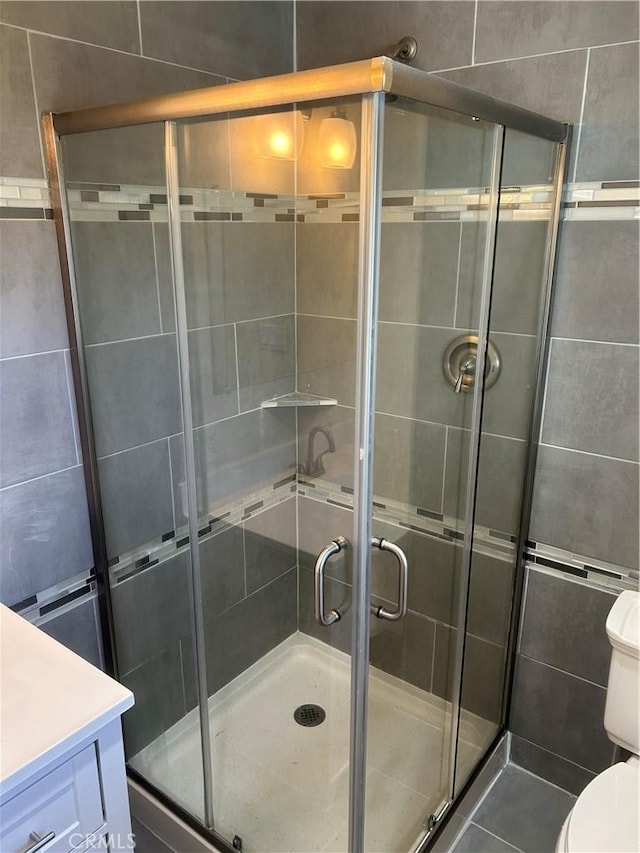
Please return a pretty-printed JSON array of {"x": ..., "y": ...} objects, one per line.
[
  {"x": 283, "y": 787},
  {"x": 521, "y": 814}
]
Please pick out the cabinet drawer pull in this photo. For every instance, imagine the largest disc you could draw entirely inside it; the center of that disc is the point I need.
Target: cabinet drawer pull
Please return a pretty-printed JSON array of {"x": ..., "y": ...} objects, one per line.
[{"x": 39, "y": 841}]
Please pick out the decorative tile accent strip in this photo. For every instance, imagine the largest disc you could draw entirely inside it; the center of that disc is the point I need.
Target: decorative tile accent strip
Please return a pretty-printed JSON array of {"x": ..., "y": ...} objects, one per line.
[
  {"x": 597, "y": 571},
  {"x": 25, "y": 198},
  {"x": 29, "y": 198},
  {"x": 56, "y": 597}
]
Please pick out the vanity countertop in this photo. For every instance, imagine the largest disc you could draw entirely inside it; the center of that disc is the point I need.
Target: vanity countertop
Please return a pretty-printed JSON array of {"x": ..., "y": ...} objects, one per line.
[{"x": 50, "y": 699}]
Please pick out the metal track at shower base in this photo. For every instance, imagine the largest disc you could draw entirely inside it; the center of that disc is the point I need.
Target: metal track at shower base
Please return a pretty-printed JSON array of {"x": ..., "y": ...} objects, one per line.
[{"x": 166, "y": 819}]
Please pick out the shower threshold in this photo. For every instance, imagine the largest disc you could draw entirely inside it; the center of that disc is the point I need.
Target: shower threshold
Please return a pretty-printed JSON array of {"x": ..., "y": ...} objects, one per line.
[{"x": 281, "y": 786}]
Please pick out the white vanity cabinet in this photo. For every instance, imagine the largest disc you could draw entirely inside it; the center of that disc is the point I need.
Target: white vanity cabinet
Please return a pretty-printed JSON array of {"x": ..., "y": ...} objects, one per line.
[{"x": 63, "y": 783}]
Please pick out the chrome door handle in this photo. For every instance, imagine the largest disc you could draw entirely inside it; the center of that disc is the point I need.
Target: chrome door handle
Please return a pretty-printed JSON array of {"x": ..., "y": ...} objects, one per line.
[
  {"x": 40, "y": 841},
  {"x": 338, "y": 544},
  {"x": 403, "y": 576}
]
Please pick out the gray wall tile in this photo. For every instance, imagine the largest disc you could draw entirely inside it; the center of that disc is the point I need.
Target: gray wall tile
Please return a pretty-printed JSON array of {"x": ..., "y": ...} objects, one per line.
[
  {"x": 32, "y": 317},
  {"x": 419, "y": 639},
  {"x": 135, "y": 393},
  {"x": 410, "y": 378},
  {"x": 158, "y": 690},
  {"x": 237, "y": 456},
  {"x": 36, "y": 426},
  {"x": 240, "y": 271},
  {"x": 203, "y": 152},
  {"x": 222, "y": 570},
  {"x": 44, "y": 534},
  {"x": 20, "y": 154},
  {"x": 151, "y": 611},
  {"x": 596, "y": 295},
  {"x": 116, "y": 279},
  {"x": 270, "y": 544},
  {"x": 136, "y": 496},
  {"x": 500, "y": 478},
  {"x": 490, "y": 598},
  {"x": 505, "y": 30},
  {"x": 592, "y": 398},
  {"x": 418, "y": 272},
  {"x": 409, "y": 461},
  {"x": 551, "y": 85},
  {"x": 212, "y": 374},
  {"x": 77, "y": 629},
  {"x": 513, "y": 807},
  {"x": 434, "y": 569},
  {"x": 334, "y": 32},
  {"x": 122, "y": 155},
  {"x": 564, "y": 626},
  {"x": 112, "y": 24},
  {"x": 561, "y": 713},
  {"x": 266, "y": 359},
  {"x": 206, "y": 36},
  {"x": 586, "y": 504},
  {"x": 327, "y": 371},
  {"x": 565, "y": 774},
  {"x": 327, "y": 268},
  {"x": 518, "y": 276},
  {"x": 482, "y": 677},
  {"x": 507, "y": 405},
  {"x": 247, "y": 631},
  {"x": 318, "y": 524},
  {"x": 609, "y": 135},
  {"x": 87, "y": 76}
]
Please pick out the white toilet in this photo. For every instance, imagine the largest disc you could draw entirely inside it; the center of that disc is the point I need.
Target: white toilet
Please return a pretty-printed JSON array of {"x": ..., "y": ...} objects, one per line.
[{"x": 605, "y": 816}]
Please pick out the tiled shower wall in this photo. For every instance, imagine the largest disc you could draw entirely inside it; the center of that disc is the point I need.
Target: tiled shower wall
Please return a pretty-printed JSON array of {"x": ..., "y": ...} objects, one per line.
[
  {"x": 60, "y": 56},
  {"x": 577, "y": 62}
]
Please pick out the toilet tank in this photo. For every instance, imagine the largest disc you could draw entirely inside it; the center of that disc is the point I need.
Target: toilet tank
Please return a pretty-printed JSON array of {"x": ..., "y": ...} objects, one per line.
[{"x": 621, "y": 718}]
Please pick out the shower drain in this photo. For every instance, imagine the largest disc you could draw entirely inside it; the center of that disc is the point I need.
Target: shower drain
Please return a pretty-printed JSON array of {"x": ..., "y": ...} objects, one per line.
[{"x": 309, "y": 715}]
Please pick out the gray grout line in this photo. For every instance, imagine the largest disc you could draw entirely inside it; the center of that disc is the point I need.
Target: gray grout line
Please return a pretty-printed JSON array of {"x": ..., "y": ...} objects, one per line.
[
  {"x": 594, "y": 341},
  {"x": 235, "y": 342},
  {"x": 40, "y": 477},
  {"x": 564, "y": 672},
  {"x": 493, "y": 835},
  {"x": 475, "y": 32},
  {"x": 555, "y": 754},
  {"x": 587, "y": 453},
  {"x": 114, "y": 50},
  {"x": 35, "y": 104},
  {"x": 541, "y": 778},
  {"x": 139, "y": 26},
  {"x": 576, "y": 152},
  {"x": 532, "y": 56},
  {"x": 32, "y": 354}
]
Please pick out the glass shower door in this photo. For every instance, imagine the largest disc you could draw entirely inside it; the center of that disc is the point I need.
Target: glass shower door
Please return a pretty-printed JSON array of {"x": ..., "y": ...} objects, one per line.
[
  {"x": 272, "y": 439},
  {"x": 437, "y": 220}
]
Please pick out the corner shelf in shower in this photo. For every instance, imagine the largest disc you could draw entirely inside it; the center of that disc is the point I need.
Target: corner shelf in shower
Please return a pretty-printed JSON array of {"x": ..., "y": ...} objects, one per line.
[{"x": 297, "y": 399}]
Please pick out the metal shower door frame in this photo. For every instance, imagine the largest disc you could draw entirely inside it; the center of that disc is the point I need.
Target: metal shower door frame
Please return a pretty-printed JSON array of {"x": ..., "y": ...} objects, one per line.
[{"x": 369, "y": 79}]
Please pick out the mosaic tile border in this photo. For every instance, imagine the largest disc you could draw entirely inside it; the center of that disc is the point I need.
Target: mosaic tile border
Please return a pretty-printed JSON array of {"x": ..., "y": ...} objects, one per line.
[
  {"x": 50, "y": 600},
  {"x": 596, "y": 571},
  {"x": 24, "y": 198}
]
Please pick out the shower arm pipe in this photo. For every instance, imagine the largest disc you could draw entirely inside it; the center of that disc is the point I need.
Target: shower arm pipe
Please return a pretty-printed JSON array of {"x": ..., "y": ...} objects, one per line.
[
  {"x": 497, "y": 149},
  {"x": 368, "y": 277},
  {"x": 175, "y": 244}
]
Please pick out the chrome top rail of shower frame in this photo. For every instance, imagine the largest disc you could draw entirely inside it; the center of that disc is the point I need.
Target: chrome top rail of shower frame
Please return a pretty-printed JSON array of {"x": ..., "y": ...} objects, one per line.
[{"x": 380, "y": 74}]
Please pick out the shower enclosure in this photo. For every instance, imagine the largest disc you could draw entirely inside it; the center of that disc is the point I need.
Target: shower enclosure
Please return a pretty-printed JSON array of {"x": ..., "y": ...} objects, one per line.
[{"x": 308, "y": 317}]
